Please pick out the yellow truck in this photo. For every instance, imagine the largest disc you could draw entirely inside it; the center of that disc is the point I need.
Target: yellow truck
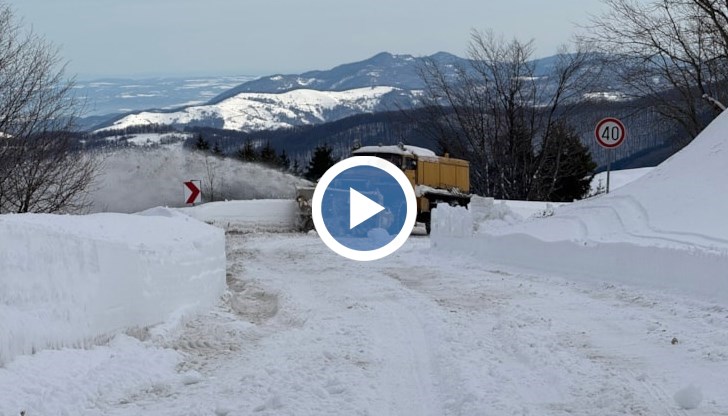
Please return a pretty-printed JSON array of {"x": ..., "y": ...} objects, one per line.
[{"x": 435, "y": 179}]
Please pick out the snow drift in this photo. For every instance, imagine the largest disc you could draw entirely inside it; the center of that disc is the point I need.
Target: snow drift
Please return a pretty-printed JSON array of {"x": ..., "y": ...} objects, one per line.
[
  {"x": 666, "y": 230},
  {"x": 69, "y": 281}
]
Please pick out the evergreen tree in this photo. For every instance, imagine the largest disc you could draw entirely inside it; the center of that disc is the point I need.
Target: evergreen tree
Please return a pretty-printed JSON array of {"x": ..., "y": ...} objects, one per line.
[
  {"x": 320, "y": 162},
  {"x": 268, "y": 155},
  {"x": 284, "y": 161},
  {"x": 296, "y": 168},
  {"x": 216, "y": 149},
  {"x": 201, "y": 143},
  {"x": 247, "y": 153},
  {"x": 567, "y": 167}
]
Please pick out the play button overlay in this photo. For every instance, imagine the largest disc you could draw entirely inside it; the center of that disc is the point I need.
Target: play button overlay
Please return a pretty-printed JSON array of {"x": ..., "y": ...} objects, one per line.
[
  {"x": 361, "y": 208},
  {"x": 364, "y": 208}
]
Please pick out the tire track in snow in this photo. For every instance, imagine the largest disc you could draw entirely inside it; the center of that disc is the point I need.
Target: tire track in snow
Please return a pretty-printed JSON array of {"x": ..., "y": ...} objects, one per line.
[
  {"x": 570, "y": 347},
  {"x": 421, "y": 334},
  {"x": 395, "y": 340}
]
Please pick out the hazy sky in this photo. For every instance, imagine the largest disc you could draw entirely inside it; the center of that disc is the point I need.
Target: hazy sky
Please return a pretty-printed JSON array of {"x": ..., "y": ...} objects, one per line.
[{"x": 258, "y": 37}]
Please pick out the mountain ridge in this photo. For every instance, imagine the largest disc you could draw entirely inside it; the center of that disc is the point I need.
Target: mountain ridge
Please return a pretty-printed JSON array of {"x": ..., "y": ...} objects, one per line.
[
  {"x": 265, "y": 102},
  {"x": 382, "y": 69},
  {"x": 264, "y": 111}
]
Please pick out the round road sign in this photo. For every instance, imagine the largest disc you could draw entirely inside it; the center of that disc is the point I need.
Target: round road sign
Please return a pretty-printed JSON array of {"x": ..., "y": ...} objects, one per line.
[{"x": 610, "y": 133}]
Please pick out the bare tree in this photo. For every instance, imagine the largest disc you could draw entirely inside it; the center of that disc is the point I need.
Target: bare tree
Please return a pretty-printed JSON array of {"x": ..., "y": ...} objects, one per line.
[
  {"x": 499, "y": 111},
  {"x": 716, "y": 13},
  {"x": 213, "y": 184},
  {"x": 40, "y": 171},
  {"x": 672, "y": 52}
]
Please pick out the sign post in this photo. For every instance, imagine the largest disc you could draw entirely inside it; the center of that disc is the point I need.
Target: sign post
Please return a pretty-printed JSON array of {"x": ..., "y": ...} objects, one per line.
[
  {"x": 192, "y": 191},
  {"x": 610, "y": 134}
]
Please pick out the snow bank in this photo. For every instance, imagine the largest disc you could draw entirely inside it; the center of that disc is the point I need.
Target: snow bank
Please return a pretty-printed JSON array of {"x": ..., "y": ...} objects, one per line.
[
  {"x": 678, "y": 271},
  {"x": 247, "y": 216},
  {"x": 665, "y": 230},
  {"x": 80, "y": 382},
  {"x": 70, "y": 281},
  {"x": 455, "y": 222}
]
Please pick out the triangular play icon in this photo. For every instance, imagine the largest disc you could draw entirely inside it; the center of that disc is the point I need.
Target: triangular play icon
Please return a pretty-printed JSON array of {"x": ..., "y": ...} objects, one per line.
[{"x": 361, "y": 208}]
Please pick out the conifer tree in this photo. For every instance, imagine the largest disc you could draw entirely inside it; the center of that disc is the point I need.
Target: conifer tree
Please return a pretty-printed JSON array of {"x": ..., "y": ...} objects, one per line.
[
  {"x": 321, "y": 161},
  {"x": 201, "y": 143},
  {"x": 247, "y": 153},
  {"x": 283, "y": 160},
  {"x": 216, "y": 149},
  {"x": 268, "y": 155}
]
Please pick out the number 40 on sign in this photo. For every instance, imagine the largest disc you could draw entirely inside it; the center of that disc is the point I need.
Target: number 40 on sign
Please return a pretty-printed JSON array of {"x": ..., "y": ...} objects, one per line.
[{"x": 610, "y": 133}]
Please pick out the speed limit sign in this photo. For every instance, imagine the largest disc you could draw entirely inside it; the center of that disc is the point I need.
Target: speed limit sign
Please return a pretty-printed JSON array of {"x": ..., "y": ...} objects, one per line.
[{"x": 610, "y": 133}]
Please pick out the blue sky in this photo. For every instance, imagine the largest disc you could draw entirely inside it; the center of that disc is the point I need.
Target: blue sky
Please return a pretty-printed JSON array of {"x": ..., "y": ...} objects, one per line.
[{"x": 256, "y": 37}]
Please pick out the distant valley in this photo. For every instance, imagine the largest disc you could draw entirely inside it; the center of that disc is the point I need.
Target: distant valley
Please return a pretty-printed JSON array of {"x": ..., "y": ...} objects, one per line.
[{"x": 108, "y": 96}]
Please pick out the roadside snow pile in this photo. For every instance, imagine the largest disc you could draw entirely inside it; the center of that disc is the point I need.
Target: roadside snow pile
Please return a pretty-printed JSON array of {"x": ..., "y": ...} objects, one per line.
[
  {"x": 666, "y": 230},
  {"x": 81, "y": 382},
  {"x": 71, "y": 281},
  {"x": 491, "y": 212},
  {"x": 451, "y": 221},
  {"x": 268, "y": 215}
]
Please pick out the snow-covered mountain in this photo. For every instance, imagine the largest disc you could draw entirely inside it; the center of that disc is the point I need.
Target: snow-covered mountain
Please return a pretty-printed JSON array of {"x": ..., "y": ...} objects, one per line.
[
  {"x": 264, "y": 111},
  {"x": 383, "y": 69},
  {"x": 384, "y": 82}
]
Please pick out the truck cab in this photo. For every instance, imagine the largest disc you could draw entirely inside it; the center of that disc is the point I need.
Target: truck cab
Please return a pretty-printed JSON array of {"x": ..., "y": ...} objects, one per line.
[{"x": 435, "y": 179}]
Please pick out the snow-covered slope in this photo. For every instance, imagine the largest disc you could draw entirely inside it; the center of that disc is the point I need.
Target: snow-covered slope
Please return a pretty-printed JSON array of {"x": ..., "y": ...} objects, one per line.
[
  {"x": 72, "y": 281},
  {"x": 617, "y": 179},
  {"x": 263, "y": 111},
  {"x": 666, "y": 229},
  {"x": 679, "y": 204},
  {"x": 382, "y": 69}
]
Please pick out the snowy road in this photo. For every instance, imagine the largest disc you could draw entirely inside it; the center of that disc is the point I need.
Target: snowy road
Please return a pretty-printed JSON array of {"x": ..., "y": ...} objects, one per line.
[{"x": 304, "y": 332}]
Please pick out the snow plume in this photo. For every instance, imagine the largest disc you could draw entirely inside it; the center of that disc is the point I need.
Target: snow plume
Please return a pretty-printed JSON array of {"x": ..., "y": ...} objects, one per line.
[
  {"x": 136, "y": 179},
  {"x": 72, "y": 281}
]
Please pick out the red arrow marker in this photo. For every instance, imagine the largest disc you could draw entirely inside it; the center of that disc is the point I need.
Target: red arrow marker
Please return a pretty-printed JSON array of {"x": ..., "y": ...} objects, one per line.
[{"x": 195, "y": 192}]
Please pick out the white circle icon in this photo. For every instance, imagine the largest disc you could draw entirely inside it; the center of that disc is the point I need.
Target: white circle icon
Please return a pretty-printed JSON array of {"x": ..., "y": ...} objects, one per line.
[{"x": 364, "y": 208}]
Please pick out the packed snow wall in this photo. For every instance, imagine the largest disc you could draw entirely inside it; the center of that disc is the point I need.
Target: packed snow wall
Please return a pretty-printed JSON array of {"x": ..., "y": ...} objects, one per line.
[
  {"x": 70, "y": 281},
  {"x": 260, "y": 215}
]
